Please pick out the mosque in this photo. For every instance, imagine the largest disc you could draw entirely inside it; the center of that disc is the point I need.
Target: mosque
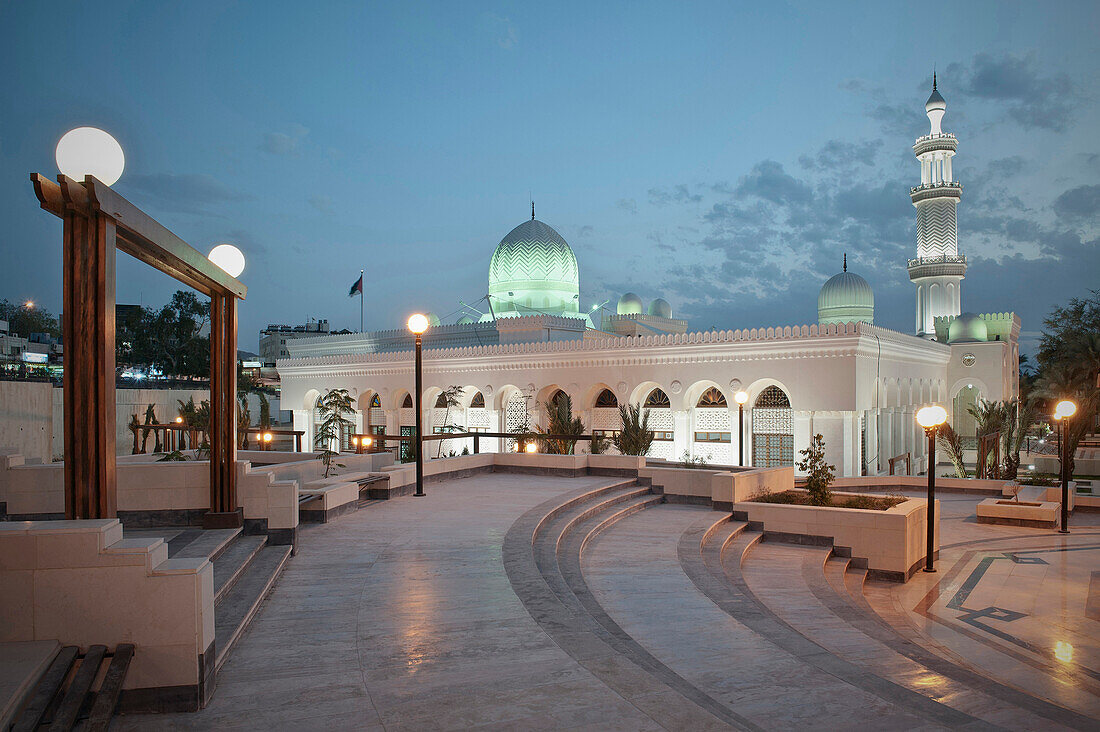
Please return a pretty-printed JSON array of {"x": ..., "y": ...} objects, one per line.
[{"x": 529, "y": 338}]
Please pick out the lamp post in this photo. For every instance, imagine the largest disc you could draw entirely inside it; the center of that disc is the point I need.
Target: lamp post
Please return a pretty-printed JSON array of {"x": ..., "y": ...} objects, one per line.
[
  {"x": 267, "y": 437},
  {"x": 931, "y": 418},
  {"x": 417, "y": 325},
  {"x": 741, "y": 397},
  {"x": 1063, "y": 410}
]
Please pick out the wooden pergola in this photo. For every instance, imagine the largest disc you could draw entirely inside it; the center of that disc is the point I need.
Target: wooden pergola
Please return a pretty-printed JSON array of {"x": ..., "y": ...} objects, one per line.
[{"x": 97, "y": 221}]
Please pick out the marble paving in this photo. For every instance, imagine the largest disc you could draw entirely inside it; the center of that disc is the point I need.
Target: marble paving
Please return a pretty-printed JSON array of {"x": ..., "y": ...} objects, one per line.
[{"x": 466, "y": 609}]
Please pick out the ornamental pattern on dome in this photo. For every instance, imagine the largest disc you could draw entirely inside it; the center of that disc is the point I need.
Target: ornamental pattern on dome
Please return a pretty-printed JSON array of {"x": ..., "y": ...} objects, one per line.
[{"x": 533, "y": 252}]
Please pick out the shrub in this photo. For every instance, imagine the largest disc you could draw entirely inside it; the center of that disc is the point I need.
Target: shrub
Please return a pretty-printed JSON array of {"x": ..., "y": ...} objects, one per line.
[
  {"x": 560, "y": 421},
  {"x": 332, "y": 408},
  {"x": 819, "y": 474}
]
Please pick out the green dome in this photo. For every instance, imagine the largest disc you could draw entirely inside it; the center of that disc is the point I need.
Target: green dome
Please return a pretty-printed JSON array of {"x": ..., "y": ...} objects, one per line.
[
  {"x": 533, "y": 270},
  {"x": 845, "y": 298}
]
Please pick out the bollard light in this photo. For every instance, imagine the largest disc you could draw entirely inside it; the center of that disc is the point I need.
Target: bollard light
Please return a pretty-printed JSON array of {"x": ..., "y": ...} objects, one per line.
[
  {"x": 179, "y": 420},
  {"x": 532, "y": 447}
]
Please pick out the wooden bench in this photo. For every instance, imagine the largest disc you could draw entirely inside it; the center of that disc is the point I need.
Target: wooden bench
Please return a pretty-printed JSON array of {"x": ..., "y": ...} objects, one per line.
[{"x": 62, "y": 708}]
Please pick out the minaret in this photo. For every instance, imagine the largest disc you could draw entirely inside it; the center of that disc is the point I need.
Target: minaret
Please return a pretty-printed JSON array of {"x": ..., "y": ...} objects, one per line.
[{"x": 938, "y": 269}]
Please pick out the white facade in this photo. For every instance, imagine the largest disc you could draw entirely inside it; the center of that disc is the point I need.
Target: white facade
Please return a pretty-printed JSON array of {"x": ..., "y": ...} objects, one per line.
[{"x": 857, "y": 384}]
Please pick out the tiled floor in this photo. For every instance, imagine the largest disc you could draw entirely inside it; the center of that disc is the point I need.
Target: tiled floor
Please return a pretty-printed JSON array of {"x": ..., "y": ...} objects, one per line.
[{"x": 439, "y": 613}]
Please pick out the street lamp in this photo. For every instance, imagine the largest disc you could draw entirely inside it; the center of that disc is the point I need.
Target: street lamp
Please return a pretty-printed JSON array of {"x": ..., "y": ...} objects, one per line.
[
  {"x": 417, "y": 325},
  {"x": 741, "y": 397},
  {"x": 1063, "y": 410},
  {"x": 931, "y": 419},
  {"x": 267, "y": 440}
]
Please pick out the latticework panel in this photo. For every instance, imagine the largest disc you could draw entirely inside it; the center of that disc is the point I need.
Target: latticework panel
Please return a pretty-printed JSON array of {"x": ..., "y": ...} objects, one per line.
[
  {"x": 515, "y": 417},
  {"x": 606, "y": 419},
  {"x": 478, "y": 417},
  {"x": 660, "y": 419},
  {"x": 712, "y": 419}
]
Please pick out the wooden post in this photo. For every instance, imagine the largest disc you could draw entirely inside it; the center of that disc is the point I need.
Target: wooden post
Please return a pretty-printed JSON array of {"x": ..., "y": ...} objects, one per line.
[
  {"x": 224, "y": 512},
  {"x": 88, "y": 330}
]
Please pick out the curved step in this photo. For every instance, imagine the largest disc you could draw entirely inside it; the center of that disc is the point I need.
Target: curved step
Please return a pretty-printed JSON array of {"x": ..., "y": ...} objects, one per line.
[{"x": 538, "y": 555}]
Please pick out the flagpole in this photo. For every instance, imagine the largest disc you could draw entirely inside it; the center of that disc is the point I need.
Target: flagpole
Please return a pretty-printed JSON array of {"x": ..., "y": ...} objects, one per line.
[{"x": 361, "y": 299}]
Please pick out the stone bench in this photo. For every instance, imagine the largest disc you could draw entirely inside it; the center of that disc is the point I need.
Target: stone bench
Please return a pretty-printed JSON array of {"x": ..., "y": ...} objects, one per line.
[{"x": 1036, "y": 514}]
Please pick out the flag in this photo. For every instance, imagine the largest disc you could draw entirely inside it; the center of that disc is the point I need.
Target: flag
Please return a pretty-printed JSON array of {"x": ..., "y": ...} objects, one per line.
[{"x": 357, "y": 288}]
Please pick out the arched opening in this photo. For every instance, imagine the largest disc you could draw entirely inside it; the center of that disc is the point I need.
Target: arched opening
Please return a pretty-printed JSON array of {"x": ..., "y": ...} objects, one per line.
[
  {"x": 772, "y": 430},
  {"x": 606, "y": 421},
  {"x": 517, "y": 417},
  {"x": 407, "y": 425},
  {"x": 712, "y": 427},
  {"x": 661, "y": 422},
  {"x": 374, "y": 417},
  {"x": 963, "y": 421}
]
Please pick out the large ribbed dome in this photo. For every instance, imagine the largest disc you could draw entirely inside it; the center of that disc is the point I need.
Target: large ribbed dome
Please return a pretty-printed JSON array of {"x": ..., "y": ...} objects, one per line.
[
  {"x": 534, "y": 270},
  {"x": 845, "y": 298}
]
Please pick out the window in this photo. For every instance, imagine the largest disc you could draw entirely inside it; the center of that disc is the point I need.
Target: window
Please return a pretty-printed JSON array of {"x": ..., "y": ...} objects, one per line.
[
  {"x": 606, "y": 398},
  {"x": 408, "y": 403},
  {"x": 477, "y": 429},
  {"x": 375, "y": 402},
  {"x": 712, "y": 398},
  {"x": 712, "y": 436},
  {"x": 657, "y": 399},
  {"x": 609, "y": 434},
  {"x": 557, "y": 397},
  {"x": 441, "y": 401},
  {"x": 478, "y": 402},
  {"x": 772, "y": 434},
  {"x": 662, "y": 436}
]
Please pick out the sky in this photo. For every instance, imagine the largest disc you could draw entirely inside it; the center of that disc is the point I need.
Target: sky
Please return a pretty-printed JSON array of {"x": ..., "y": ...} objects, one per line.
[{"x": 723, "y": 156}]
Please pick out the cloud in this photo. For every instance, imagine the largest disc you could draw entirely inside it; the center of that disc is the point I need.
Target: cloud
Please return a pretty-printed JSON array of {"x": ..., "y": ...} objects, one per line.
[
  {"x": 837, "y": 155},
  {"x": 1082, "y": 202},
  {"x": 768, "y": 180},
  {"x": 321, "y": 203},
  {"x": 283, "y": 143},
  {"x": 192, "y": 193},
  {"x": 628, "y": 204},
  {"x": 502, "y": 30},
  {"x": 1032, "y": 99},
  {"x": 585, "y": 231},
  {"x": 677, "y": 194}
]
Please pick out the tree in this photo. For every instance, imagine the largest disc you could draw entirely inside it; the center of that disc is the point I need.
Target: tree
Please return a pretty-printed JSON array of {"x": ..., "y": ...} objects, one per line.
[
  {"x": 332, "y": 408},
  {"x": 169, "y": 339},
  {"x": 560, "y": 421},
  {"x": 951, "y": 442},
  {"x": 1019, "y": 416},
  {"x": 265, "y": 411},
  {"x": 24, "y": 320},
  {"x": 819, "y": 474},
  {"x": 635, "y": 437},
  {"x": 990, "y": 418},
  {"x": 450, "y": 397}
]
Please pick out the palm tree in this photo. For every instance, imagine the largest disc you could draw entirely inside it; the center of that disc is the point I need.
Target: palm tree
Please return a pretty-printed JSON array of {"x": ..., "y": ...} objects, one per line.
[
  {"x": 1071, "y": 380},
  {"x": 951, "y": 442},
  {"x": 990, "y": 418},
  {"x": 560, "y": 421},
  {"x": 635, "y": 437}
]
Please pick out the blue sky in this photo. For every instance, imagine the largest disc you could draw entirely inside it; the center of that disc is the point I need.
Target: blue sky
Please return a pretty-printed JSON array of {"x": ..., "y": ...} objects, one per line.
[{"x": 720, "y": 155}]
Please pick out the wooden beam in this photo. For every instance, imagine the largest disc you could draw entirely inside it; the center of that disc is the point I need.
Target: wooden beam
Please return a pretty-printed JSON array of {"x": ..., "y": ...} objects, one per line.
[{"x": 138, "y": 234}]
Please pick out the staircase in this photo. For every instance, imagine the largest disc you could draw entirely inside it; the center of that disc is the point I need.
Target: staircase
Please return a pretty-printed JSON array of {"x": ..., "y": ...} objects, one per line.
[{"x": 245, "y": 570}]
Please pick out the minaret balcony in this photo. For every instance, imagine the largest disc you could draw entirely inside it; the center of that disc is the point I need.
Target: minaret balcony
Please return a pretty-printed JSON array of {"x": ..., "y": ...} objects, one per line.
[
  {"x": 946, "y": 189},
  {"x": 933, "y": 143},
  {"x": 946, "y": 265}
]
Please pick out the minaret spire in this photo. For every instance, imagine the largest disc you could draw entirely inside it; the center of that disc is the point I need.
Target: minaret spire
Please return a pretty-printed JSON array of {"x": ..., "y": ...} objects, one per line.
[
  {"x": 845, "y": 261},
  {"x": 532, "y": 210}
]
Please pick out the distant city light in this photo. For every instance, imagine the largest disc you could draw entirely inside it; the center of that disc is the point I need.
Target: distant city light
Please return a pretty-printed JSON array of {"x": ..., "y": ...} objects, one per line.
[{"x": 90, "y": 151}]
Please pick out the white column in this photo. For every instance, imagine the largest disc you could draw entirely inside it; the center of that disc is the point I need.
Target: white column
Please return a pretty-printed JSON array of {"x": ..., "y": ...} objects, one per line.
[
  {"x": 682, "y": 437},
  {"x": 947, "y": 168}
]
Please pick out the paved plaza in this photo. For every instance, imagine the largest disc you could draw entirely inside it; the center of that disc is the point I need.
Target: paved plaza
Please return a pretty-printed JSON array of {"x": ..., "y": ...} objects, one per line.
[{"x": 531, "y": 602}]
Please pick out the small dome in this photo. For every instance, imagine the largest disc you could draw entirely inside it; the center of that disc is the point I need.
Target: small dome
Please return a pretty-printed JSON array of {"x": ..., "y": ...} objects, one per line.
[
  {"x": 660, "y": 308},
  {"x": 629, "y": 304},
  {"x": 967, "y": 328},
  {"x": 845, "y": 298},
  {"x": 935, "y": 102},
  {"x": 465, "y": 320},
  {"x": 433, "y": 319}
]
